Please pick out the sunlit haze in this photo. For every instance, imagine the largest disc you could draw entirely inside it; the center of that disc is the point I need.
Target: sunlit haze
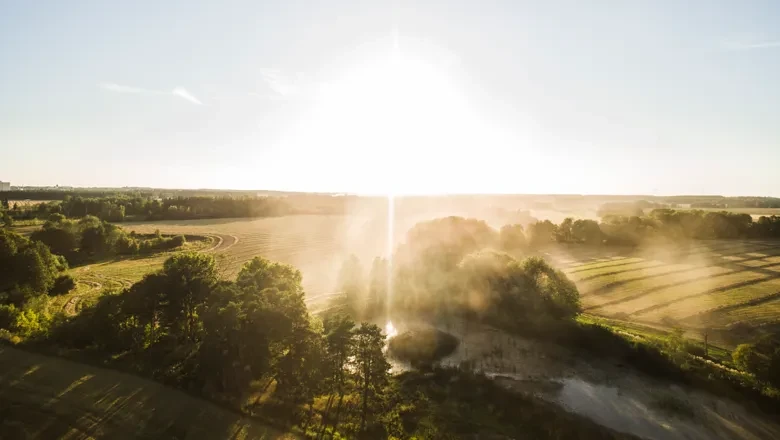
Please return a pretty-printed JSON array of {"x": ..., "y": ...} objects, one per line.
[{"x": 393, "y": 97}]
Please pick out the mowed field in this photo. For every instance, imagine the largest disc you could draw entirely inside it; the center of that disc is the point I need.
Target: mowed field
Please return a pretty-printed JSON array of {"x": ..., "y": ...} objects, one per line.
[
  {"x": 43, "y": 397},
  {"x": 709, "y": 285},
  {"x": 93, "y": 279},
  {"x": 704, "y": 286},
  {"x": 315, "y": 244}
]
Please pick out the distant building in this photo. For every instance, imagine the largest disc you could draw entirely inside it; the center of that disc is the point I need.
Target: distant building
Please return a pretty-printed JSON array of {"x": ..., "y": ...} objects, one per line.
[{"x": 5, "y": 186}]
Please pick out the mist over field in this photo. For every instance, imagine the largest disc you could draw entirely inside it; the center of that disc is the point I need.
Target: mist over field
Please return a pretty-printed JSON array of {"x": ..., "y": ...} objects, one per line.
[{"x": 389, "y": 220}]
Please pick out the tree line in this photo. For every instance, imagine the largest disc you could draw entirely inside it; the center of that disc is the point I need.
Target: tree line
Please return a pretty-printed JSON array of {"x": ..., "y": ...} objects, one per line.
[
  {"x": 91, "y": 237},
  {"x": 118, "y": 208},
  {"x": 659, "y": 226}
]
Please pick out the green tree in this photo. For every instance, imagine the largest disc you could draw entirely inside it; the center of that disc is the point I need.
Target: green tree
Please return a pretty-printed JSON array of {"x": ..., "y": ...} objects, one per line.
[
  {"x": 587, "y": 232},
  {"x": 372, "y": 370},
  {"x": 190, "y": 278},
  {"x": 7, "y": 220},
  {"x": 512, "y": 238},
  {"x": 339, "y": 332},
  {"x": 27, "y": 268},
  {"x": 746, "y": 358},
  {"x": 563, "y": 233},
  {"x": 61, "y": 236},
  {"x": 541, "y": 233}
]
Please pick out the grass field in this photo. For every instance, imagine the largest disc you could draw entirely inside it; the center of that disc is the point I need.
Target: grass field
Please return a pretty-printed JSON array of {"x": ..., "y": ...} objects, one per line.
[
  {"x": 93, "y": 279},
  {"x": 710, "y": 286},
  {"x": 316, "y": 244},
  {"x": 45, "y": 397}
]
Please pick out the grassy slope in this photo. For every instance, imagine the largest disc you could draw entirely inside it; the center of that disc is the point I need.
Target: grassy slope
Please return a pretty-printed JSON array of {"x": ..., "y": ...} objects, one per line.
[{"x": 46, "y": 397}]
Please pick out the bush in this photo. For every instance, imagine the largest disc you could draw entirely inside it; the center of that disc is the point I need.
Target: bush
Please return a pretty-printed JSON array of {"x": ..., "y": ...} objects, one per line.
[
  {"x": 62, "y": 285},
  {"x": 7, "y": 316},
  {"x": 30, "y": 323},
  {"x": 126, "y": 245},
  {"x": 177, "y": 241}
]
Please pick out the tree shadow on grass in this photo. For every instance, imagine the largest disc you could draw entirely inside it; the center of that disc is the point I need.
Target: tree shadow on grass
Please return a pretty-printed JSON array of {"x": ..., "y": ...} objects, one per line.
[
  {"x": 45, "y": 397},
  {"x": 734, "y": 267}
]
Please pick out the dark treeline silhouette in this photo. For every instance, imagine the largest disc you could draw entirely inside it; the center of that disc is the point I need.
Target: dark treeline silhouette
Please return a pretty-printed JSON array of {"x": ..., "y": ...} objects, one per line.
[{"x": 118, "y": 208}]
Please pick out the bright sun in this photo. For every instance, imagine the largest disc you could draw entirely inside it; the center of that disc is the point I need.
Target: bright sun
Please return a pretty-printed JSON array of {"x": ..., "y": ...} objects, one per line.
[
  {"x": 392, "y": 125},
  {"x": 395, "y": 125}
]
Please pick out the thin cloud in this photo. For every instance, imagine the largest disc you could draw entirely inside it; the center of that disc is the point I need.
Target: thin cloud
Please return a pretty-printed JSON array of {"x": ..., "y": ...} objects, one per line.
[
  {"x": 283, "y": 84},
  {"x": 733, "y": 45},
  {"x": 179, "y": 92}
]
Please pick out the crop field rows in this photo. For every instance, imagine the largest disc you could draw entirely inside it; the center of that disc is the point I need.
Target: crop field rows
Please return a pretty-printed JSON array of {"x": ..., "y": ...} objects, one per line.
[
  {"x": 315, "y": 244},
  {"x": 711, "y": 284}
]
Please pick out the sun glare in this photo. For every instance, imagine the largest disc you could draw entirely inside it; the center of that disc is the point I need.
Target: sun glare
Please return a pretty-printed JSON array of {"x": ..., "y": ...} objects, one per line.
[
  {"x": 390, "y": 125},
  {"x": 390, "y": 330}
]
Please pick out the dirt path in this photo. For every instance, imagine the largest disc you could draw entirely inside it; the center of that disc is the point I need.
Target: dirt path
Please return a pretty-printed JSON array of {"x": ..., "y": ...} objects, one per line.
[
  {"x": 45, "y": 397},
  {"x": 223, "y": 242},
  {"x": 69, "y": 308}
]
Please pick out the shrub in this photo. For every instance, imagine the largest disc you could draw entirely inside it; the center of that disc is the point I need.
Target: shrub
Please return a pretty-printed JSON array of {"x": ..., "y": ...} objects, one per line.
[
  {"x": 7, "y": 315},
  {"x": 30, "y": 323},
  {"x": 177, "y": 241},
  {"x": 127, "y": 245},
  {"x": 62, "y": 285}
]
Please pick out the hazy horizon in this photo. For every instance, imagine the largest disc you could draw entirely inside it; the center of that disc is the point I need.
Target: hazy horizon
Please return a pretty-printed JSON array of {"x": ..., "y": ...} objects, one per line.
[{"x": 640, "y": 98}]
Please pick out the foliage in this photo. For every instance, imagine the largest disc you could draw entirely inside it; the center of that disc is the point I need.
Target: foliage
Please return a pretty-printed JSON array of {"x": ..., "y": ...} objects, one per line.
[
  {"x": 761, "y": 359},
  {"x": 91, "y": 237},
  {"x": 8, "y": 221},
  {"x": 512, "y": 238},
  {"x": 371, "y": 368},
  {"x": 62, "y": 285},
  {"x": 27, "y": 268}
]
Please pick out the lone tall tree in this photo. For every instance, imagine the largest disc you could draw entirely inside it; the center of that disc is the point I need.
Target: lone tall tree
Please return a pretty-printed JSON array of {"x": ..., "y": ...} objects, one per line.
[{"x": 371, "y": 367}]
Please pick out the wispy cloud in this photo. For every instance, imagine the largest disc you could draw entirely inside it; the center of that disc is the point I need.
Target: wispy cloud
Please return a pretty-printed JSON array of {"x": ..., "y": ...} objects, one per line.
[
  {"x": 752, "y": 45},
  {"x": 180, "y": 92},
  {"x": 283, "y": 84}
]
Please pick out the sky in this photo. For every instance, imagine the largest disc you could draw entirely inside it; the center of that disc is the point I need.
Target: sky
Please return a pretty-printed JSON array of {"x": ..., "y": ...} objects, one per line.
[{"x": 599, "y": 97}]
